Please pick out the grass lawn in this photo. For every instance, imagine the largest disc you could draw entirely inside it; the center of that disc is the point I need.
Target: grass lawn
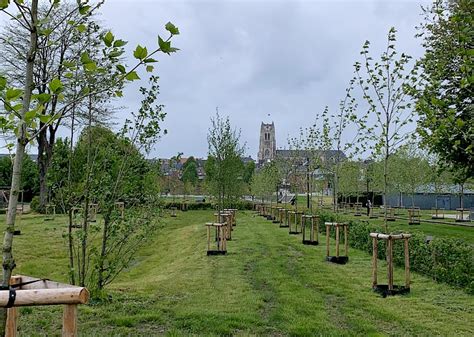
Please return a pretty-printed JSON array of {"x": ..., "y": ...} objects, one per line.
[{"x": 268, "y": 284}]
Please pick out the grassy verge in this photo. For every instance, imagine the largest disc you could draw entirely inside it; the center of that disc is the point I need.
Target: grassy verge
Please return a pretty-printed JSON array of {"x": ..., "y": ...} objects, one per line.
[{"x": 268, "y": 284}]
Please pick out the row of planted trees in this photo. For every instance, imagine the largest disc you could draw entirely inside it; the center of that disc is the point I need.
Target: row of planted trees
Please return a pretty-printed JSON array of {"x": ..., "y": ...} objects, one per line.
[{"x": 371, "y": 142}]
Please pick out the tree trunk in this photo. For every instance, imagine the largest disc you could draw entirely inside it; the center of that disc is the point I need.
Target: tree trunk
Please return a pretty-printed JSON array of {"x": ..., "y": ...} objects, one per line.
[
  {"x": 71, "y": 248},
  {"x": 8, "y": 261},
  {"x": 45, "y": 155},
  {"x": 103, "y": 252},
  {"x": 385, "y": 182}
]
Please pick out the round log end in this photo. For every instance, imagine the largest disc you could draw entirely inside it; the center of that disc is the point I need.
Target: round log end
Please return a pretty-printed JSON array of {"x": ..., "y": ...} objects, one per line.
[{"x": 84, "y": 296}]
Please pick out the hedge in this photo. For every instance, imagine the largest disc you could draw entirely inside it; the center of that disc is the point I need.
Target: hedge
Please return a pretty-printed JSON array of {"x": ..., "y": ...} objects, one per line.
[
  {"x": 445, "y": 260},
  {"x": 240, "y": 205}
]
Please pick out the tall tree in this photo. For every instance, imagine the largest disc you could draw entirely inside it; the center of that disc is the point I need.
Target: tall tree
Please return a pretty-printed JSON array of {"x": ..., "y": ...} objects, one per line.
[
  {"x": 444, "y": 96},
  {"x": 224, "y": 166},
  {"x": 383, "y": 86}
]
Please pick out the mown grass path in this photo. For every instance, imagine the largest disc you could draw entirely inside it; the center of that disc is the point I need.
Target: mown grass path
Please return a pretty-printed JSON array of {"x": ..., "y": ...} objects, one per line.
[{"x": 268, "y": 284}]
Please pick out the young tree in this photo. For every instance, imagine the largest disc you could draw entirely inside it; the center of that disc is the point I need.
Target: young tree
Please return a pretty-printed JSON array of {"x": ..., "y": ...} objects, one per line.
[
  {"x": 58, "y": 50},
  {"x": 25, "y": 106},
  {"x": 387, "y": 123},
  {"x": 190, "y": 173},
  {"x": 444, "y": 96},
  {"x": 224, "y": 166}
]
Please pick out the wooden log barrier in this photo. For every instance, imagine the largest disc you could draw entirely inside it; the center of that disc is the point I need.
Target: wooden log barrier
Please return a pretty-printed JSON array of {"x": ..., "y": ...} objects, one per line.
[
  {"x": 390, "y": 288},
  {"x": 43, "y": 292}
]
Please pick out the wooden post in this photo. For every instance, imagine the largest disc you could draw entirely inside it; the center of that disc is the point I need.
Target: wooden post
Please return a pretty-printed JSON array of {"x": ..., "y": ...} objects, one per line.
[
  {"x": 346, "y": 243},
  {"x": 375, "y": 253},
  {"x": 317, "y": 229},
  {"x": 327, "y": 240},
  {"x": 390, "y": 263},
  {"x": 337, "y": 240},
  {"x": 407, "y": 264},
  {"x": 70, "y": 320},
  {"x": 12, "y": 313},
  {"x": 208, "y": 238}
]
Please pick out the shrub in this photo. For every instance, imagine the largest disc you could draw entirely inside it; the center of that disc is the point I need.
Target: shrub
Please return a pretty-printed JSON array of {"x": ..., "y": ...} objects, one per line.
[
  {"x": 445, "y": 260},
  {"x": 34, "y": 205}
]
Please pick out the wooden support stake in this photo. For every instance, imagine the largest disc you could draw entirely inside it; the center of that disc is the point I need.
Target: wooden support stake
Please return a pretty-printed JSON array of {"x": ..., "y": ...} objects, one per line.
[
  {"x": 346, "y": 243},
  {"x": 407, "y": 264},
  {"x": 390, "y": 263},
  {"x": 337, "y": 240},
  {"x": 317, "y": 229},
  {"x": 12, "y": 313},
  {"x": 375, "y": 253},
  {"x": 208, "y": 238},
  {"x": 70, "y": 320},
  {"x": 327, "y": 240}
]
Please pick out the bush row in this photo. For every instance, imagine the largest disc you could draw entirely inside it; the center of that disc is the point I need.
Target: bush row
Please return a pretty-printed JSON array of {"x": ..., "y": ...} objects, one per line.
[
  {"x": 240, "y": 205},
  {"x": 443, "y": 259}
]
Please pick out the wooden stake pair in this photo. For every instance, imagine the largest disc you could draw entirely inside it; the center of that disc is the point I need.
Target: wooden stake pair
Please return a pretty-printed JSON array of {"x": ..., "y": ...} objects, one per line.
[
  {"x": 390, "y": 288},
  {"x": 313, "y": 228},
  {"x": 220, "y": 236},
  {"x": 337, "y": 258}
]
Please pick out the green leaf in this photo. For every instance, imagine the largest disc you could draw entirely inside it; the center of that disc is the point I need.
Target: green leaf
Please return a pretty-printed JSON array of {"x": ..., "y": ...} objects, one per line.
[
  {"x": 30, "y": 115},
  {"x": 83, "y": 10},
  {"x": 56, "y": 86},
  {"x": 119, "y": 43},
  {"x": 13, "y": 94},
  {"x": 172, "y": 28},
  {"x": 164, "y": 45},
  {"x": 3, "y": 82},
  {"x": 150, "y": 60},
  {"x": 44, "y": 118},
  {"x": 85, "y": 58},
  {"x": 4, "y": 4},
  {"x": 132, "y": 76},
  {"x": 119, "y": 93},
  {"x": 91, "y": 66},
  {"x": 108, "y": 39},
  {"x": 81, "y": 28},
  {"x": 121, "y": 68},
  {"x": 116, "y": 53},
  {"x": 149, "y": 69},
  {"x": 140, "y": 52},
  {"x": 45, "y": 32},
  {"x": 42, "y": 98}
]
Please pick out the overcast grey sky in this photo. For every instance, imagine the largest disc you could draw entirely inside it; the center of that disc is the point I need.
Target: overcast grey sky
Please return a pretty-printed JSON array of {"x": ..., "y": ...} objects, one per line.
[{"x": 288, "y": 59}]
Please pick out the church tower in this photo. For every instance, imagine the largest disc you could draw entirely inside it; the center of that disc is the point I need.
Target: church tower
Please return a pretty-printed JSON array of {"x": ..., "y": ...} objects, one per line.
[{"x": 267, "y": 148}]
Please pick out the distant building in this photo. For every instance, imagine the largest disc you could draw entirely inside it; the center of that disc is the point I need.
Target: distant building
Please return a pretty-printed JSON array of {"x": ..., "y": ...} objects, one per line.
[
  {"x": 268, "y": 151},
  {"x": 173, "y": 168},
  {"x": 267, "y": 146}
]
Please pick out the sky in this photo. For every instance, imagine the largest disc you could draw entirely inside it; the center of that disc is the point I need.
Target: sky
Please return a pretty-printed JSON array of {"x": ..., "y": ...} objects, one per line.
[{"x": 257, "y": 61}]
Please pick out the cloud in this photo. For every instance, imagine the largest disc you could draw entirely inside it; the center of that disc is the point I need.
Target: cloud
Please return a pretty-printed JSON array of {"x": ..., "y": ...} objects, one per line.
[{"x": 288, "y": 59}]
